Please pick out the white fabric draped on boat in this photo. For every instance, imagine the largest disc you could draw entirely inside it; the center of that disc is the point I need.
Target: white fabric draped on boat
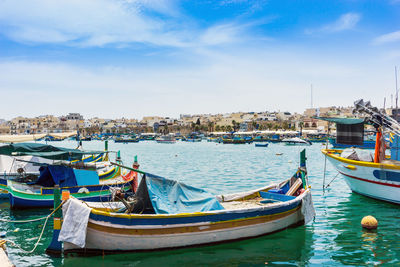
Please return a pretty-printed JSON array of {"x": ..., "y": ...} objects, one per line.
[{"x": 76, "y": 217}]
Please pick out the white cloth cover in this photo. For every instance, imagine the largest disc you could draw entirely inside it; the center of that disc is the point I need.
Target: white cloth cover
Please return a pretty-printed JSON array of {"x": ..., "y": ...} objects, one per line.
[
  {"x": 76, "y": 217},
  {"x": 307, "y": 208},
  {"x": 357, "y": 154},
  {"x": 10, "y": 164}
]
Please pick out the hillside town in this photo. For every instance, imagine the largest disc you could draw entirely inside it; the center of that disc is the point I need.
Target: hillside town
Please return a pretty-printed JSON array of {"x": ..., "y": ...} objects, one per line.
[{"x": 237, "y": 121}]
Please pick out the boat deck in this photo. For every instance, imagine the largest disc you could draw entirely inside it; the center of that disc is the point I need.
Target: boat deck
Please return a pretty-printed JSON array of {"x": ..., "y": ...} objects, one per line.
[{"x": 246, "y": 204}]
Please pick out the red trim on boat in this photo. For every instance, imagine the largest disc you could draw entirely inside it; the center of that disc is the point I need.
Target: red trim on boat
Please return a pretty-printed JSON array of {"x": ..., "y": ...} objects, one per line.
[{"x": 369, "y": 181}]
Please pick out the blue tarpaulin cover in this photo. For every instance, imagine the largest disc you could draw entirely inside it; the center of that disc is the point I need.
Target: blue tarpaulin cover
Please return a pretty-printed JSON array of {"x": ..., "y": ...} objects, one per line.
[
  {"x": 86, "y": 177},
  {"x": 172, "y": 197},
  {"x": 55, "y": 174}
]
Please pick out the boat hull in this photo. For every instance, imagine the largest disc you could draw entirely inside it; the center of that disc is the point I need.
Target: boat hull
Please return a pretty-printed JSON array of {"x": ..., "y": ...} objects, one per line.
[
  {"x": 113, "y": 233},
  {"x": 379, "y": 181},
  {"x": 23, "y": 199}
]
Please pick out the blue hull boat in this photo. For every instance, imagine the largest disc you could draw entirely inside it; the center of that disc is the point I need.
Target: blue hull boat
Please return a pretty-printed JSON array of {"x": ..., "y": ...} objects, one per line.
[{"x": 261, "y": 145}]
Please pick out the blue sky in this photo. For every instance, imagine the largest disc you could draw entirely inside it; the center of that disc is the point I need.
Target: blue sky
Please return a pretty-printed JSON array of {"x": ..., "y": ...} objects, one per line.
[{"x": 135, "y": 58}]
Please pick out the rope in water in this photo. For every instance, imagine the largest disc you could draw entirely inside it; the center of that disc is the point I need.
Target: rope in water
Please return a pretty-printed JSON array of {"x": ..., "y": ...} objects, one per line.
[
  {"x": 40, "y": 236},
  {"x": 23, "y": 221}
]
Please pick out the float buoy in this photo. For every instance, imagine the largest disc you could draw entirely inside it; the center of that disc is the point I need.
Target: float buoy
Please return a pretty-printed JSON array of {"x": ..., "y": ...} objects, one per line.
[{"x": 369, "y": 222}]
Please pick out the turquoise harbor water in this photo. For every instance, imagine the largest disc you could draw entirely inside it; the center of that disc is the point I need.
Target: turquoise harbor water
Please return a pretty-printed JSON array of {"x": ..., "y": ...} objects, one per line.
[{"x": 334, "y": 238}]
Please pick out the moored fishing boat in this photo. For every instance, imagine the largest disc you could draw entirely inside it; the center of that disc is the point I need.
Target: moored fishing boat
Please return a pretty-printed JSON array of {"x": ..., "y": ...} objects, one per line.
[
  {"x": 163, "y": 216},
  {"x": 39, "y": 167},
  {"x": 82, "y": 184},
  {"x": 376, "y": 180},
  {"x": 126, "y": 139},
  {"x": 166, "y": 139},
  {"x": 296, "y": 141},
  {"x": 375, "y": 175},
  {"x": 261, "y": 145},
  {"x": 237, "y": 140}
]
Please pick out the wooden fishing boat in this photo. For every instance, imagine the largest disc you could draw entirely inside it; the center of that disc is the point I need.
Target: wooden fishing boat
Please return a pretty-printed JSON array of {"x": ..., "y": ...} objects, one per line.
[
  {"x": 372, "y": 175},
  {"x": 237, "y": 140},
  {"x": 126, "y": 139},
  {"x": 376, "y": 180},
  {"x": 296, "y": 141},
  {"x": 86, "y": 186},
  {"x": 165, "y": 218},
  {"x": 166, "y": 139},
  {"x": 22, "y": 185}
]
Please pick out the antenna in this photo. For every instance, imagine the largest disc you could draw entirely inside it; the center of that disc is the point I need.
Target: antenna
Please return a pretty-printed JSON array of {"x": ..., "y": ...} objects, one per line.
[
  {"x": 311, "y": 97},
  {"x": 397, "y": 91},
  {"x": 391, "y": 96}
]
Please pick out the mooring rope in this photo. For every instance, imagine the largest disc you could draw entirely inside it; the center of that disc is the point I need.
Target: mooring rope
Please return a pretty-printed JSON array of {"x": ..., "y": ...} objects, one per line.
[
  {"x": 332, "y": 180},
  {"x": 41, "y": 233}
]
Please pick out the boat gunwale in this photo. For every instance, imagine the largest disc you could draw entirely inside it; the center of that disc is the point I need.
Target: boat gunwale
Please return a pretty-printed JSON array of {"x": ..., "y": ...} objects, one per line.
[
  {"x": 200, "y": 213},
  {"x": 329, "y": 153},
  {"x": 13, "y": 189}
]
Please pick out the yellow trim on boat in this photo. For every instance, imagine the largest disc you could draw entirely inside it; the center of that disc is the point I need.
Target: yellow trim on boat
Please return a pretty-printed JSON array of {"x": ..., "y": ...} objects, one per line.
[
  {"x": 205, "y": 227},
  {"x": 331, "y": 153},
  {"x": 351, "y": 167}
]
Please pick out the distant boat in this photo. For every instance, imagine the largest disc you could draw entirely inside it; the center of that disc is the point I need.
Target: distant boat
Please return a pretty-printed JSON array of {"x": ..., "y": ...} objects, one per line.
[
  {"x": 260, "y": 139},
  {"x": 126, "y": 139},
  {"x": 147, "y": 137},
  {"x": 261, "y": 145},
  {"x": 166, "y": 139},
  {"x": 296, "y": 141},
  {"x": 317, "y": 138},
  {"x": 237, "y": 140},
  {"x": 276, "y": 138}
]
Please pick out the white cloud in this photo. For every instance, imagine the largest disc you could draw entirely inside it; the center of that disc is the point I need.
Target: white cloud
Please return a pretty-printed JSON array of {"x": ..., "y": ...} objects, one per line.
[
  {"x": 105, "y": 22},
  {"x": 345, "y": 22},
  {"x": 213, "y": 82},
  {"x": 387, "y": 38},
  {"x": 89, "y": 22}
]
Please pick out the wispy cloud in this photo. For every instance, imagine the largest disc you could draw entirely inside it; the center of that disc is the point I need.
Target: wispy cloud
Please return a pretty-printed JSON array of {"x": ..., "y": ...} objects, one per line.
[
  {"x": 87, "y": 23},
  {"x": 108, "y": 22},
  {"x": 345, "y": 22},
  {"x": 387, "y": 38}
]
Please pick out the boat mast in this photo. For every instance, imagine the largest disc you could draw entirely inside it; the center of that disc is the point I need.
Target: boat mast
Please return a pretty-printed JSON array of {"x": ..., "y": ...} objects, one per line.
[{"x": 397, "y": 91}]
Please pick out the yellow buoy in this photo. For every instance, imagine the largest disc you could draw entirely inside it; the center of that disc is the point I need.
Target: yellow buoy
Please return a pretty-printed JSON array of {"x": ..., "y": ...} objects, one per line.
[{"x": 369, "y": 222}]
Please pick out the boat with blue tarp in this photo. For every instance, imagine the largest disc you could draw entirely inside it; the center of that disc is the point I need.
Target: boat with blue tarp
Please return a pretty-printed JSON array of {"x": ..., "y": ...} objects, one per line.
[
  {"x": 167, "y": 214},
  {"x": 27, "y": 166}
]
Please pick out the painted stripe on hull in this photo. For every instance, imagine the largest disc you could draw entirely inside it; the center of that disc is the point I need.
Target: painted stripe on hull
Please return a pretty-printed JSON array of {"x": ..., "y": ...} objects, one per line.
[
  {"x": 369, "y": 181},
  {"x": 130, "y": 220},
  {"x": 99, "y": 240},
  {"x": 18, "y": 202},
  {"x": 188, "y": 228},
  {"x": 379, "y": 198}
]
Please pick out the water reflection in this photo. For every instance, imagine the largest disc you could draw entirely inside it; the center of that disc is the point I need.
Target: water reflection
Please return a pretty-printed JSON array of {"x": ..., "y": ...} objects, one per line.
[
  {"x": 355, "y": 245},
  {"x": 290, "y": 247}
]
